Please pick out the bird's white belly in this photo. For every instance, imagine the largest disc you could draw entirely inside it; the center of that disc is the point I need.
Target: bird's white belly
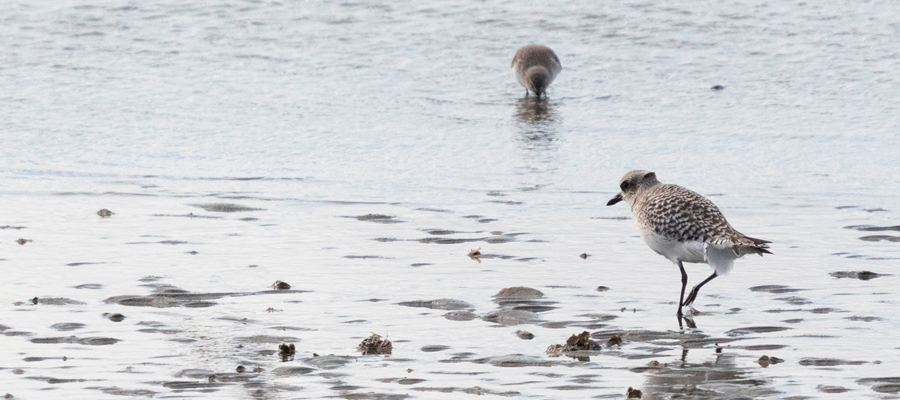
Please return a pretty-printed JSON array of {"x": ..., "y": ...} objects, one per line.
[{"x": 686, "y": 251}]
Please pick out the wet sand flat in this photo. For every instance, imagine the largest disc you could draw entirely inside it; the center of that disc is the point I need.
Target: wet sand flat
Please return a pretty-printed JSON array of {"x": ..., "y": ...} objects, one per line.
[{"x": 163, "y": 164}]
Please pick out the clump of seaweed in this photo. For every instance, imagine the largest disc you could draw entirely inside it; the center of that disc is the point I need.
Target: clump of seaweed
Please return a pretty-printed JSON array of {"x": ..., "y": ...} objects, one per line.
[{"x": 286, "y": 351}]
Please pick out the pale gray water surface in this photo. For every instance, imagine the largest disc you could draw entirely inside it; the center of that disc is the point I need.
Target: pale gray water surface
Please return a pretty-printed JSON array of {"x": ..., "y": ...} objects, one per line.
[{"x": 360, "y": 150}]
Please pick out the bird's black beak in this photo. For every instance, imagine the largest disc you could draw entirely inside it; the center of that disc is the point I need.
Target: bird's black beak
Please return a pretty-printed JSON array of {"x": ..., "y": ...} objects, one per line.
[{"x": 615, "y": 199}]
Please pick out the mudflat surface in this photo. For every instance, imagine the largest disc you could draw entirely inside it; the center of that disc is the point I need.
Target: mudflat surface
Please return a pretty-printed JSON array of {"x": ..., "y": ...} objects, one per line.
[{"x": 360, "y": 152}]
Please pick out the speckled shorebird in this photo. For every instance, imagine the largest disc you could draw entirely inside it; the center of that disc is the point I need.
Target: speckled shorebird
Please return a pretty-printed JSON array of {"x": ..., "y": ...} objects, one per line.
[
  {"x": 684, "y": 226},
  {"x": 535, "y": 67}
]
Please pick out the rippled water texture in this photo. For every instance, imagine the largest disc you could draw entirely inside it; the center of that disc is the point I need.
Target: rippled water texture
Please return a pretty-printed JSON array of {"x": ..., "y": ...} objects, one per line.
[{"x": 359, "y": 152}]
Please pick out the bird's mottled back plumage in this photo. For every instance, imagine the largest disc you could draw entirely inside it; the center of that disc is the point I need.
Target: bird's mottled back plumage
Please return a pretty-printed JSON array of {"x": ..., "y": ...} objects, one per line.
[{"x": 682, "y": 214}]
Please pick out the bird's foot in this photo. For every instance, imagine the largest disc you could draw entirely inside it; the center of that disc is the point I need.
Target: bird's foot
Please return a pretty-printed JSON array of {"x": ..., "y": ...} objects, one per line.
[
  {"x": 687, "y": 320},
  {"x": 691, "y": 297}
]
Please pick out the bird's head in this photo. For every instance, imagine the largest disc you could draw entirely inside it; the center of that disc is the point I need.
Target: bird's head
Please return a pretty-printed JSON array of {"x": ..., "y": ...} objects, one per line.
[{"x": 633, "y": 183}]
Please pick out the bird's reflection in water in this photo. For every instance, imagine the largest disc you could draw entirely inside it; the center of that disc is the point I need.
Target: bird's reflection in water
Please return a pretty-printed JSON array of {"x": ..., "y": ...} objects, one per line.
[
  {"x": 537, "y": 123},
  {"x": 718, "y": 378},
  {"x": 532, "y": 110}
]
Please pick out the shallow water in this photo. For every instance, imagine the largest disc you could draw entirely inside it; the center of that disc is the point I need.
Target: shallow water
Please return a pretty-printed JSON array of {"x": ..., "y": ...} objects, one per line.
[{"x": 360, "y": 151}]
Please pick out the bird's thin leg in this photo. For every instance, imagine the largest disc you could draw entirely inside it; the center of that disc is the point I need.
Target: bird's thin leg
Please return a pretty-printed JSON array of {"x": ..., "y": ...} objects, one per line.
[
  {"x": 696, "y": 289},
  {"x": 683, "y": 285}
]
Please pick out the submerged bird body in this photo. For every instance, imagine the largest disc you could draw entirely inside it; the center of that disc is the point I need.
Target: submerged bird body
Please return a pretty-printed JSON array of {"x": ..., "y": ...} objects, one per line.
[
  {"x": 535, "y": 67},
  {"x": 684, "y": 226}
]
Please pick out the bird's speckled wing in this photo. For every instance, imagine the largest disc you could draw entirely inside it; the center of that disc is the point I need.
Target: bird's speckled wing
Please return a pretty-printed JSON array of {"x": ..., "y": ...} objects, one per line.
[{"x": 684, "y": 215}]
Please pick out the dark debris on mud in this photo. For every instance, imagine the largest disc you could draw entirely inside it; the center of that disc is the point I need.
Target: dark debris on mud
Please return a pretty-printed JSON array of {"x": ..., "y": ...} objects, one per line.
[
  {"x": 281, "y": 285},
  {"x": 774, "y": 289},
  {"x": 375, "y": 345},
  {"x": 438, "y": 304},
  {"x": 225, "y": 207},
  {"x": 861, "y": 275},
  {"x": 165, "y": 296},
  {"x": 764, "y": 361},
  {"x": 376, "y": 218},
  {"x": 577, "y": 342},
  {"x": 882, "y": 385}
]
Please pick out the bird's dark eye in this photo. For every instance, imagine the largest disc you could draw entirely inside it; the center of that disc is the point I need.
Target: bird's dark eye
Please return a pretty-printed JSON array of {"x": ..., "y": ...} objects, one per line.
[{"x": 624, "y": 185}]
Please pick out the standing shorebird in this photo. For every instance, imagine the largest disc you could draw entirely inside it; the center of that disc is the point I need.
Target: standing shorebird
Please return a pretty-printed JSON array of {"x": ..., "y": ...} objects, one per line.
[
  {"x": 535, "y": 67},
  {"x": 683, "y": 226}
]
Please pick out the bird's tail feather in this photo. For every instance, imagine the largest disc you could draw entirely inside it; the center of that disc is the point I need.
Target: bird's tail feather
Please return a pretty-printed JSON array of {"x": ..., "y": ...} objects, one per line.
[{"x": 749, "y": 245}]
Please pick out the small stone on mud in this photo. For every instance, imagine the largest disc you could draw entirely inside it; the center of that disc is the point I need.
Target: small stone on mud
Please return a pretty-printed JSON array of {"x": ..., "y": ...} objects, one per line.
[
  {"x": 765, "y": 361},
  {"x": 240, "y": 369},
  {"x": 279, "y": 285},
  {"x": 22, "y": 241},
  {"x": 525, "y": 335},
  {"x": 114, "y": 317},
  {"x": 602, "y": 289},
  {"x": 519, "y": 292},
  {"x": 34, "y": 300},
  {"x": 375, "y": 345},
  {"x": 633, "y": 393},
  {"x": 285, "y": 350},
  {"x": 460, "y": 315},
  {"x": 614, "y": 340},
  {"x": 584, "y": 256},
  {"x": 104, "y": 213}
]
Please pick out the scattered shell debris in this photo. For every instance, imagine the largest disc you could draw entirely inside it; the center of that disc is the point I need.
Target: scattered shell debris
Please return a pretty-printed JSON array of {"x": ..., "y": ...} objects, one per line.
[{"x": 476, "y": 255}]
